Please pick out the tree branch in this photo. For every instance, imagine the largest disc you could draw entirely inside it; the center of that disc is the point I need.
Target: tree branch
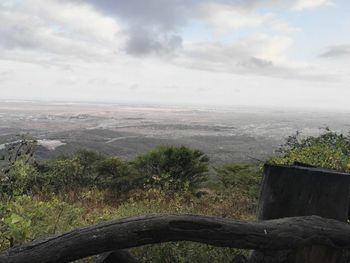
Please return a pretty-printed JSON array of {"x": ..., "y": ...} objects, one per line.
[{"x": 125, "y": 233}]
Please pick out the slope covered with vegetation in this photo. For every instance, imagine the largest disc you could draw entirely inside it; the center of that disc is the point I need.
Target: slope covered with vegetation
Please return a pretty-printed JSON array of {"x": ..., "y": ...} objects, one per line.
[{"x": 50, "y": 197}]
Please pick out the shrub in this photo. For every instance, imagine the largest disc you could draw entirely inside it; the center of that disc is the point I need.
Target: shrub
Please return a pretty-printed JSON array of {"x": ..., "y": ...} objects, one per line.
[
  {"x": 25, "y": 218},
  {"x": 172, "y": 167},
  {"x": 243, "y": 177},
  {"x": 87, "y": 169},
  {"x": 117, "y": 175},
  {"x": 63, "y": 175},
  {"x": 328, "y": 150}
]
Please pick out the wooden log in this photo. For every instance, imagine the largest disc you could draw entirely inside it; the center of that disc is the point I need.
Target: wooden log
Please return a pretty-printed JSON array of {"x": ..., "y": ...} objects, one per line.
[
  {"x": 117, "y": 256},
  {"x": 276, "y": 234},
  {"x": 301, "y": 191}
]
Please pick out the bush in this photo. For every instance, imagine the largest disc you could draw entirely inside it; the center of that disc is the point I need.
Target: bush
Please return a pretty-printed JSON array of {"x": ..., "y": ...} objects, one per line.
[
  {"x": 25, "y": 218},
  {"x": 17, "y": 173},
  {"x": 173, "y": 168},
  {"x": 243, "y": 177},
  {"x": 63, "y": 175},
  {"x": 117, "y": 175},
  {"x": 328, "y": 150},
  {"x": 87, "y": 169},
  {"x": 19, "y": 179}
]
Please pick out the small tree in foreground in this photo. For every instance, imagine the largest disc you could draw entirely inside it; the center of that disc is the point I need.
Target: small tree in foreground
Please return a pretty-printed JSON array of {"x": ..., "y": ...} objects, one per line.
[{"x": 173, "y": 167}]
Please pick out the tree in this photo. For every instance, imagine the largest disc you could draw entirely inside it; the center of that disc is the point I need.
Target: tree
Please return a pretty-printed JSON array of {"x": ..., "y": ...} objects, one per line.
[{"x": 173, "y": 167}]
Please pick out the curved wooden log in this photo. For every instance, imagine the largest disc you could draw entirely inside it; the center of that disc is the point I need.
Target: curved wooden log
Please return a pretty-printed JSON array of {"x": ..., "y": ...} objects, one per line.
[
  {"x": 118, "y": 256},
  {"x": 133, "y": 232}
]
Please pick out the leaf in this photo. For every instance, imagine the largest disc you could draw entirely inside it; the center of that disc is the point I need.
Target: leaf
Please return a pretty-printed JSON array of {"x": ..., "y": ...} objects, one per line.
[{"x": 15, "y": 218}]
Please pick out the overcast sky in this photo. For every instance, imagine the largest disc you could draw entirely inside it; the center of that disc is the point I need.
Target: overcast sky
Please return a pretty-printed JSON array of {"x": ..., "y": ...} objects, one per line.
[{"x": 217, "y": 52}]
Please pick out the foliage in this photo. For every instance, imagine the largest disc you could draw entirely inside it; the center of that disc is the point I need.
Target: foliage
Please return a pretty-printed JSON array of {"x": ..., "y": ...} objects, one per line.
[
  {"x": 328, "y": 150},
  {"x": 173, "y": 167},
  {"x": 22, "y": 149},
  {"x": 87, "y": 169},
  {"x": 63, "y": 175},
  {"x": 25, "y": 218},
  {"x": 16, "y": 176},
  {"x": 68, "y": 192},
  {"x": 185, "y": 252},
  {"x": 244, "y": 177},
  {"x": 21, "y": 178},
  {"x": 116, "y": 174},
  {"x": 68, "y": 172}
]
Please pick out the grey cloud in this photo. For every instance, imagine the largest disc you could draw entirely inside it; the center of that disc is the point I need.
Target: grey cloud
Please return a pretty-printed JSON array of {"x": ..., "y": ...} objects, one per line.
[
  {"x": 256, "y": 63},
  {"x": 5, "y": 73},
  {"x": 18, "y": 36},
  {"x": 337, "y": 51},
  {"x": 152, "y": 25},
  {"x": 134, "y": 86},
  {"x": 5, "y": 76},
  {"x": 166, "y": 14},
  {"x": 25, "y": 31},
  {"x": 238, "y": 59},
  {"x": 144, "y": 41}
]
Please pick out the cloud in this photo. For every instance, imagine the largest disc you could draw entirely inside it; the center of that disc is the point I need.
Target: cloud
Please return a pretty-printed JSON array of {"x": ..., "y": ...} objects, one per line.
[
  {"x": 165, "y": 14},
  {"x": 225, "y": 17},
  {"x": 144, "y": 41},
  {"x": 296, "y": 5},
  {"x": 258, "y": 54},
  {"x": 36, "y": 25},
  {"x": 151, "y": 26},
  {"x": 338, "y": 51},
  {"x": 154, "y": 26},
  {"x": 116, "y": 31},
  {"x": 310, "y": 4}
]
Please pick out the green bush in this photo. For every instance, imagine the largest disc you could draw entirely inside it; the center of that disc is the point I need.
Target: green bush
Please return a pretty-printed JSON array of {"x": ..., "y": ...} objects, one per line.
[
  {"x": 25, "y": 218},
  {"x": 87, "y": 169},
  {"x": 173, "y": 168},
  {"x": 30, "y": 214},
  {"x": 243, "y": 177},
  {"x": 117, "y": 175},
  {"x": 19, "y": 179},
  {"x": 63, "y": 175},
  {"x": 329, "y": 150}
]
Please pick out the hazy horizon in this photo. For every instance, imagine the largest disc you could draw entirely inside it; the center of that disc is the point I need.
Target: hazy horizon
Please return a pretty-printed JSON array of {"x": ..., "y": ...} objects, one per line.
[{"x": 178, "y": 104}]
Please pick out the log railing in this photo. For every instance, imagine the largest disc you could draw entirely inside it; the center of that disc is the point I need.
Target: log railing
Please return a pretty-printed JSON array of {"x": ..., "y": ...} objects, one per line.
[{"x": 277, "y": 234}]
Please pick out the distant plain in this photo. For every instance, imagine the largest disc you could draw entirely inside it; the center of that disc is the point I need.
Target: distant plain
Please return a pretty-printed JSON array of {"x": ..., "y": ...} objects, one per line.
[{"x": 225, "y": 134}]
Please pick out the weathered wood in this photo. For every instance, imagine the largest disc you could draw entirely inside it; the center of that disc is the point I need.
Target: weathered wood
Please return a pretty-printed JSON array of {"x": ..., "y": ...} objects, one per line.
[
  {"x": 289, "y": 191},
  {"x": 118, "y": 256},
  {"x": 301, "y": 191},
  {"x": 277, "y": 234}
]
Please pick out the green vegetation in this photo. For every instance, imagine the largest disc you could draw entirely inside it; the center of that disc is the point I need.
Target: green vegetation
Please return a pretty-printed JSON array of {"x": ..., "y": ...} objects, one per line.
[
  {"x": 173, "y": 168},
  {"x": 244, "y": 178},
  {"x": 84, "y": 188},
  {"x": 329, "y": 150},
  {"x": 41, "y": 199}
]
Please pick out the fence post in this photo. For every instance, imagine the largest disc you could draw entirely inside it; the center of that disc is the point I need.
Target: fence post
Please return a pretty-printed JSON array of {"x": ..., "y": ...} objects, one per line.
[{"x": 289, "y": 191}]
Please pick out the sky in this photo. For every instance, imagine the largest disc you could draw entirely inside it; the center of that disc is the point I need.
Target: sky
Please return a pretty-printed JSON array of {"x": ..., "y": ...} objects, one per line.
[{"x": 277, "y": 53}]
